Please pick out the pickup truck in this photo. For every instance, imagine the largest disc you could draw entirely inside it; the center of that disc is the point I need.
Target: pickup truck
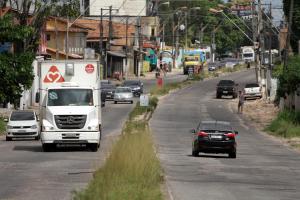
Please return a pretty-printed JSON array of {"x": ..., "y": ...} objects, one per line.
[
  {"x": 252, "y": 90},
  {"x": 226, "y": 88}
]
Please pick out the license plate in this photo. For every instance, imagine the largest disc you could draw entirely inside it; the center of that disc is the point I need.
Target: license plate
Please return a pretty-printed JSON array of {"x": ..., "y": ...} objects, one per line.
[
  {"x": 225, "y": 92},
  {"x": 216, "y": 137},
  {"x": 21, "y": 131},
  {"x": 70, "y": 135}
]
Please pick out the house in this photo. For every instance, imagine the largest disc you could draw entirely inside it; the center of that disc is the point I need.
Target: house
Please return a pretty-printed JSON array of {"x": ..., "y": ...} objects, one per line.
[
  {"x": 60, "y": 41},
  {"x": 119, "y": 52}
]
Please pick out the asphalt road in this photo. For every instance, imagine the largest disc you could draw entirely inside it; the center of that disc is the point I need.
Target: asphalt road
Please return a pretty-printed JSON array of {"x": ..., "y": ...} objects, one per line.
[
  {"x": 264, "y": 168},
  {"x": 28, "y": 173}
]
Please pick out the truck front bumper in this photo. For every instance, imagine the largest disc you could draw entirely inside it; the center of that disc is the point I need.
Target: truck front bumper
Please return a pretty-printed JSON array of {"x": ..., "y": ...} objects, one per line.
[{"x": 70, "y": 137}]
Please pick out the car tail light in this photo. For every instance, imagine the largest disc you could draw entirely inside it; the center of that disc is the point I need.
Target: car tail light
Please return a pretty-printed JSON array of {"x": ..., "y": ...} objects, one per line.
[
  {"x": 230, "y": 135},
  {"x": 202, "y": 134}
]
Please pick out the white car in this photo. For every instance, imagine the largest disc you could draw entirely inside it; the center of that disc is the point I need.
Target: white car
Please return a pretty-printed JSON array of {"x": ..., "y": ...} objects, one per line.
[
  {"x": 252, "y": 90},
  {"x": 22, "y": 124},
  {"x": 123, "y": 94}
]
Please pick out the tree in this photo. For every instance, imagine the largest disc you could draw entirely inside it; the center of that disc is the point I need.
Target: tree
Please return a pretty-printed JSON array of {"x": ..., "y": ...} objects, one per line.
[{"x": 295, "y": 34}]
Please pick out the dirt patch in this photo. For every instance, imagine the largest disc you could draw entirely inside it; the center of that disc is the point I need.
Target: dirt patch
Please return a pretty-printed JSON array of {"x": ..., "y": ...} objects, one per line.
[{"x": 261, "y": 113}]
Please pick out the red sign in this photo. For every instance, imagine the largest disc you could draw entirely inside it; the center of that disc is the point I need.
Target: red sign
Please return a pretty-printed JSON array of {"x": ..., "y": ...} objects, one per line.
[
  {"x": 89, "y": 68},
  {"x": 53, "y": 76}
]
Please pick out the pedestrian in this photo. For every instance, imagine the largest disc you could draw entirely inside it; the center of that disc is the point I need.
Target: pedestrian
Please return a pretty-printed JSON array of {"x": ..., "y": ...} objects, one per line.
[{"x": 241, "y": 102}]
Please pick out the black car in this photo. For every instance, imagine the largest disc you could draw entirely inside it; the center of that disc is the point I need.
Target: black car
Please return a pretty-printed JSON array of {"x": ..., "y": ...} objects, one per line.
[
  {"x": 108, "y": 91},
  {"x": 214, "y": 137},
  {"x": 135, "y": 85},
  {"x": 226, "y": 88}
]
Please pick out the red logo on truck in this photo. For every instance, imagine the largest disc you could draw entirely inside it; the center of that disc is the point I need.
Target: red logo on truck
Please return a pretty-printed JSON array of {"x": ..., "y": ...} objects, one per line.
[
  {"x": 89, "y": 68},
  {"x": 53, "y": 76}
]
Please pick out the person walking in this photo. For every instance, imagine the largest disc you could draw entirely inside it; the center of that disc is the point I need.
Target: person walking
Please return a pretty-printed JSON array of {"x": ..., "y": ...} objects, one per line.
[{"x": 241, "y": 102}]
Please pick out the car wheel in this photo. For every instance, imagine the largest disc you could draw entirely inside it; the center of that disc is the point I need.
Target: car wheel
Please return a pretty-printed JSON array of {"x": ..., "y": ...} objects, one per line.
[
  {"x": 93, "y": 147},
  {"x": 47, "y": 147},
  {"x": 37, "y": 137},
  {"x": 218, "y": 96},
  {"x": 232, "y": 154},
  {"x": 115, "y": 102},
  {"x": 195, "y": 153},
  {"x": 8, "y": 138},
  {"x": 131, "y": 102}
]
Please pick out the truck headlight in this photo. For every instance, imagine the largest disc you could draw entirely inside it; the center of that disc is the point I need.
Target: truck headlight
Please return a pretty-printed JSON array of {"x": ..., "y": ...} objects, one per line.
[
  {"x": 93, "y": 128},
  {"x": 47, "y": 128}
]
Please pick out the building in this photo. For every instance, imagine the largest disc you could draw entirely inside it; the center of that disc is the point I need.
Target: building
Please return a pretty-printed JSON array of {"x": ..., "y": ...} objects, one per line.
[
  {"x": 59, "y": 41},
  {"x": 125, "y": 7}
]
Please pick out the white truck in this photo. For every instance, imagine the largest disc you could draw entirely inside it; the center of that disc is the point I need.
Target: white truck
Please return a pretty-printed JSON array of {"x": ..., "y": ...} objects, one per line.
[
  {"x": 70, "y": 103},
  {"x": 248, "y": 54}
]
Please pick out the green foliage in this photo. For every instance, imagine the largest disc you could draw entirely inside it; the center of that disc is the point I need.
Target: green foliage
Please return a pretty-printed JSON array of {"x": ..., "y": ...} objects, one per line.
[
  {"x": 71, "y": 9},
  {"x": 287, "y": 124},
  {"x": 289, "y": 78},
  {"x": 2, "y": 126},
  {"x": 16, "y": 75},
  {"x": 228, "y": 37}
]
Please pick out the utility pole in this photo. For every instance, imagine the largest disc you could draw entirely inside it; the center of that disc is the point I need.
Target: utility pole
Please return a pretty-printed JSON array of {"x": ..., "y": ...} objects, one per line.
[
  {"x": 126, "y": 50},
  {"x": 102, "y": 61},
  {"x": 213, "y": 44},
  {"x": 186, "y": 30},
  {"x": 261, "y": 39},
  {"x": 67, "y": 39},
  {"x": 254, "y": 36},
  {"x": 109, "y": 29},
  {"x": 288, "y": 38},
  {"x": 140, "y": 57}
]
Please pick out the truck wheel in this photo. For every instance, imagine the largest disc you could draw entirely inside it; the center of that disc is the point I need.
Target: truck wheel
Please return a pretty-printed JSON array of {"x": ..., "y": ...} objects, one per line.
[
  {"x": 232, "y": 154},
  {"x": 115, "y": 102},
  {"x": 37, "y": 137},
  {"x": 94, "y": 147},
  {"x": 8, "y": 138},
  {"x": 48, "y": 147}
]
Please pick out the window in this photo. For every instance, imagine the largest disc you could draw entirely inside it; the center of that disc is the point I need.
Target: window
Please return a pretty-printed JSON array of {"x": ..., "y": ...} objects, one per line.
[{"x": 48, "y": 37}]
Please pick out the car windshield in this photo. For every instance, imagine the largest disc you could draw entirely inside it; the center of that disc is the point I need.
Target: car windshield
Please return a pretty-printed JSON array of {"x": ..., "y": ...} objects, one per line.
[
  {"x": 131, "y": 83},
  {"x": 16, "y": 116},
  {"x": 248, "y": 55},
  {"x": 251, "y": 85},
  {"x": 123, "y": 90},
  {"x": 226, "y": 82},
  {"x": 223, "y": 127},
  {"x": 70, "y": 97}
]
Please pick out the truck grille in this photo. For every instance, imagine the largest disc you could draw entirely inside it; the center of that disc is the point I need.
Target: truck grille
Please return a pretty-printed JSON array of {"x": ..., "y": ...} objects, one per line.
[{"x": 70, "y": 121}]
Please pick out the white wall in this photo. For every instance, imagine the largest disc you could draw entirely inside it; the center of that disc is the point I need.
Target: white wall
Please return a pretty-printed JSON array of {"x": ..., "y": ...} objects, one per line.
[{"x": 126, "y": 7}]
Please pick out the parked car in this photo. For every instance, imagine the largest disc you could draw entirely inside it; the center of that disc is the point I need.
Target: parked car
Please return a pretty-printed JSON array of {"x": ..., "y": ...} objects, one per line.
[
  {"x": 135, "y": 85},
  {"x": 107, "y": 91},
  {"x": 226, "y": 88},
  {"x": 252, "y": 90},
  {"x": 214, "y": 137},
  {"x": 22, "y": 124},
  {"x": 123, "y": 94}
]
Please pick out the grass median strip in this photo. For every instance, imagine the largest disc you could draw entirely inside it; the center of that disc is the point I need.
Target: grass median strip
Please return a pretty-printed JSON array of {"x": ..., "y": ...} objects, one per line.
[{"x": 2, "y": 126}]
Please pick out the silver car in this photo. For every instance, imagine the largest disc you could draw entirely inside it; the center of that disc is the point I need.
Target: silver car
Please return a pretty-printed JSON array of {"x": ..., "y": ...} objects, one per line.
[
  {"x": 123, "y": 94},
  {"x": 21, "y": 124}
]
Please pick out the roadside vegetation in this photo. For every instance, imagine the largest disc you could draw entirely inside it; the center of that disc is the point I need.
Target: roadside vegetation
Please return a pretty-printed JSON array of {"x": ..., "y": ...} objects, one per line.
[
  {"x": 286, "y": 125},
  {"x": 2, "y": 125}
]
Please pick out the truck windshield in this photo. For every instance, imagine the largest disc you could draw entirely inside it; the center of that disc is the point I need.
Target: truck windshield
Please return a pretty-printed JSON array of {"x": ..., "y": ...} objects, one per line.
[
  {"x": 248, "y": 55},
  {"x": 70, "y": 97}
]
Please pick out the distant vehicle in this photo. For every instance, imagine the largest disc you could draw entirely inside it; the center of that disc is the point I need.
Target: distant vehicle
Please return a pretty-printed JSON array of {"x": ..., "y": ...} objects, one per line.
[
  {"x": 107, "y": 91},
  {"x": 123, "y": 94},
  {"x": 226, "y": 88},
  {"x": 135, "y": 85},
  {"x": 248, "y": 54},
  {"x": 252, "y": 90},
  {"x": 22, "y": 124},
  {"x": 214, "y": 137}
]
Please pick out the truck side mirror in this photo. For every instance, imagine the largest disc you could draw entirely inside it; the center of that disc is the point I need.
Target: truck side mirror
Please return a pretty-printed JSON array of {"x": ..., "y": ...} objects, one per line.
[
  {"x": 5, "y": 120},
  {"x": 37, "y": 97}
]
